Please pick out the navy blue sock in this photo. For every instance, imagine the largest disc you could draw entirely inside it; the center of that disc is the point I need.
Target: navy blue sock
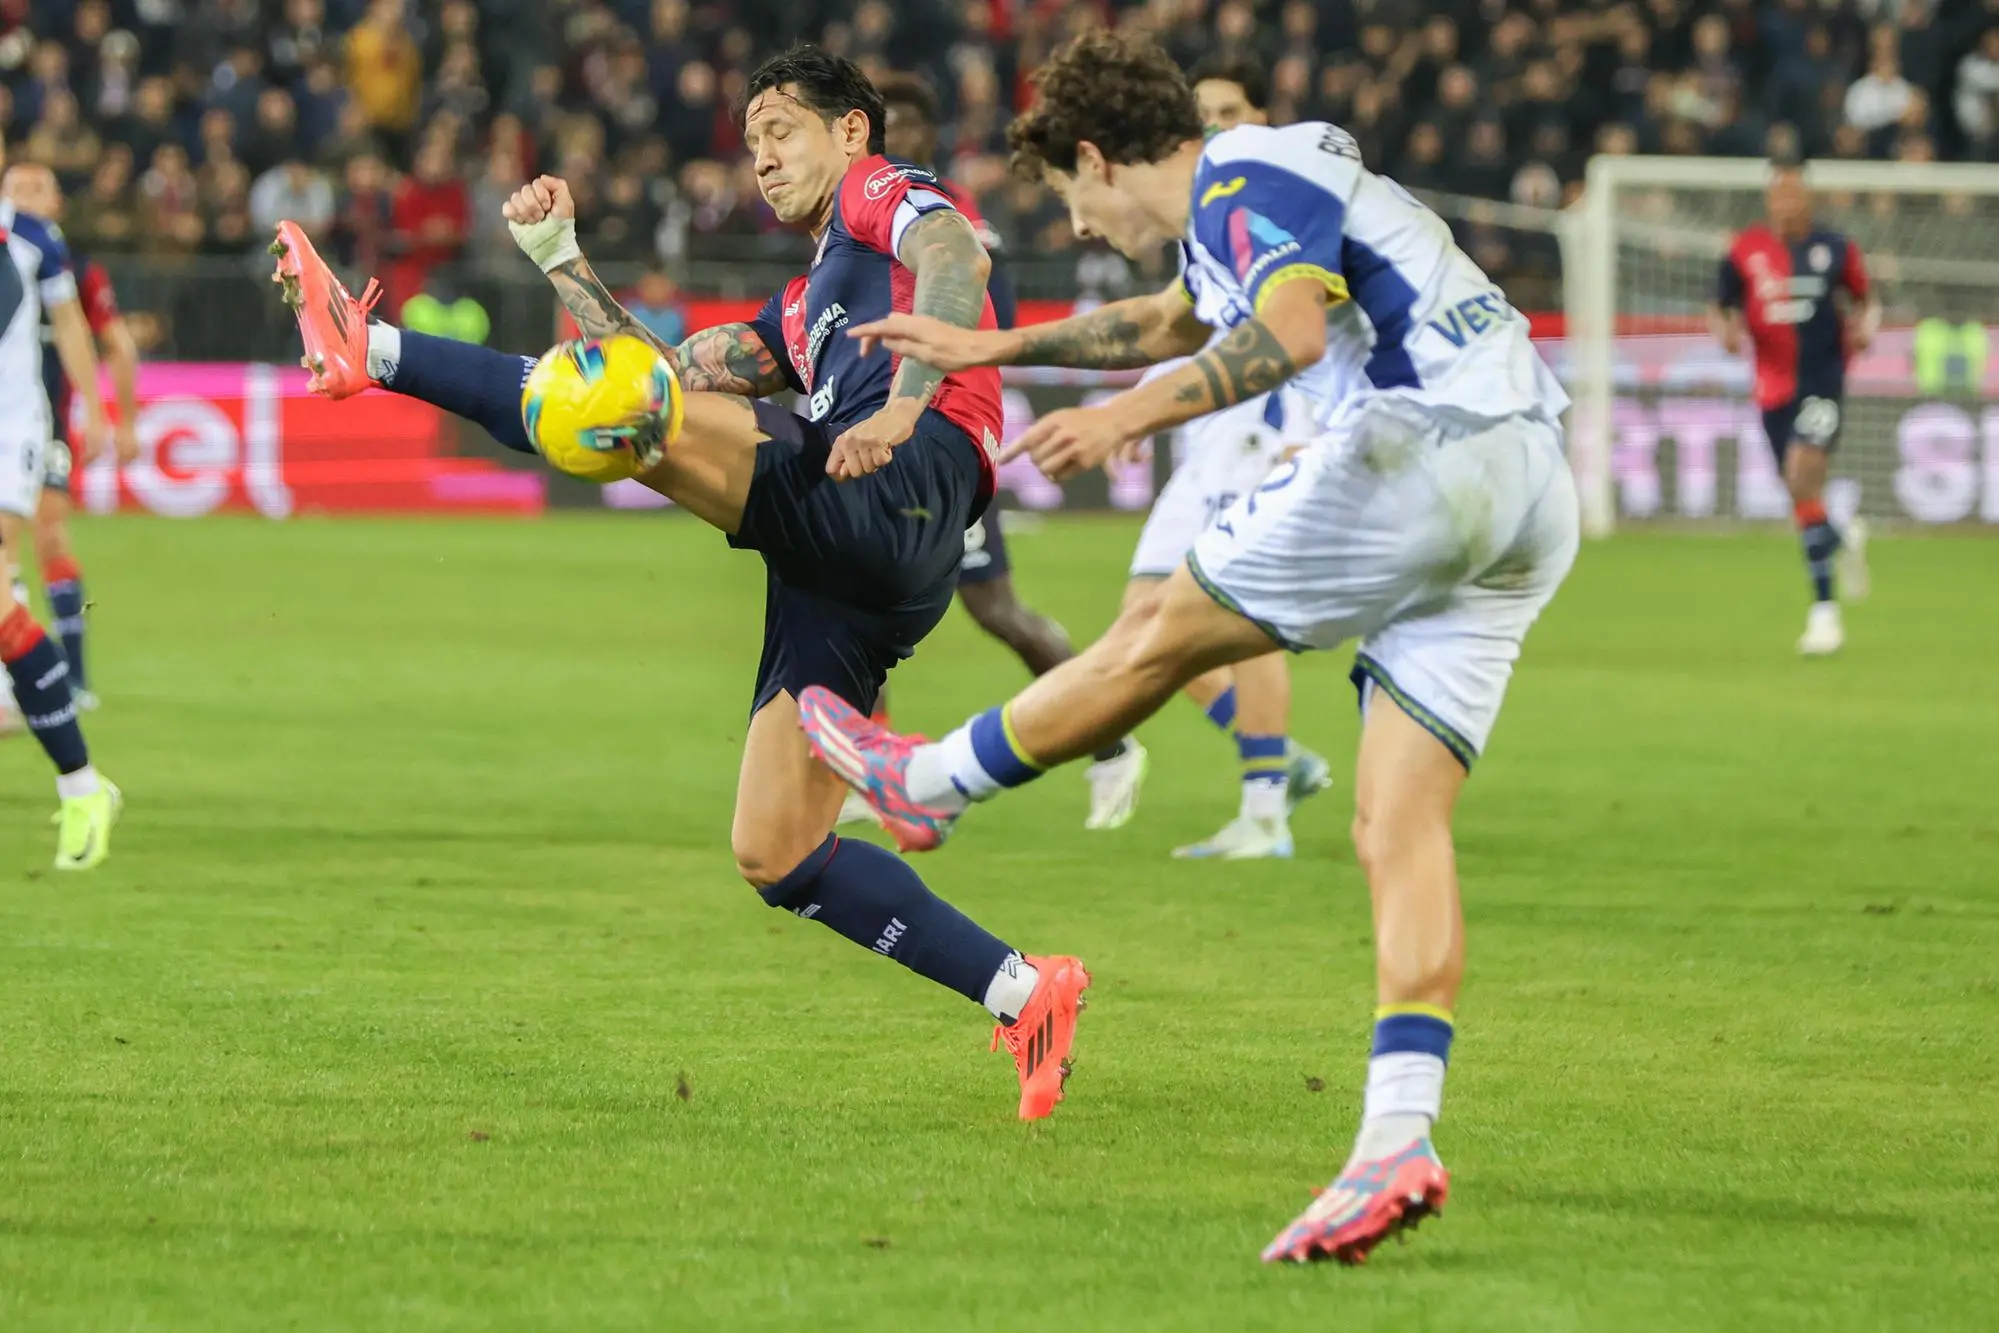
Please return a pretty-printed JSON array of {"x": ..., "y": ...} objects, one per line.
[
  {"x": 466, "y": 380},
  {"x": 63, "y": 582},
  {"x": 1821, "y": 542},
  {"x": 1222, "y": 711},
  {"x": 876, "y": 899},
  {"x": 41, "y": 687}
]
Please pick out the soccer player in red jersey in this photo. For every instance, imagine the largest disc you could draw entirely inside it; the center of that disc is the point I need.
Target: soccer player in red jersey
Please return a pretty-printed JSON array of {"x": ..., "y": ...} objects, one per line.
[
  {"x": 858, "y": 510},
  {"x": 1798, "y": 294},
  {"x": 33, "y": 189}
]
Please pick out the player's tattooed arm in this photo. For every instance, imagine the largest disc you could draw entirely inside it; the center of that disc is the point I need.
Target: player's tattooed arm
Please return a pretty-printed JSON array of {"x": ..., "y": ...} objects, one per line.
[
  {"x": 951, "y": 268},
  {"x": 1124, "y": 335},
  {"x": 1254, "y": 357},
  {"x": 729, "y": 358}
]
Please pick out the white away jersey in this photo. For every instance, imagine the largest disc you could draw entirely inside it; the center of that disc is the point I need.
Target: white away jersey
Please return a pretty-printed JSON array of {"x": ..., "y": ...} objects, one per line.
[
  {"x": 39, "y": 276},
  {"x": 1412, "y": 316}
]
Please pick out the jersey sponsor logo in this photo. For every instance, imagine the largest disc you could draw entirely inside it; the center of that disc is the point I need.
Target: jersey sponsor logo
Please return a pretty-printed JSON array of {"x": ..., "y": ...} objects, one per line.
[
  {"x": 832, "y": 317},
  {"x": 1473, "y": 317},
  {"x": 1222, "y": 190},
  {"x": 1257, "y": 243},
  {"x": 884, "y": 180},
  {"x": 821, "y": 401}
]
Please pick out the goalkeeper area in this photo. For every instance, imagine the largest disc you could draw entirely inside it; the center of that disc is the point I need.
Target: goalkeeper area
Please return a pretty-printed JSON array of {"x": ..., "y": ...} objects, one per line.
[{"x": 422, "y": 993}]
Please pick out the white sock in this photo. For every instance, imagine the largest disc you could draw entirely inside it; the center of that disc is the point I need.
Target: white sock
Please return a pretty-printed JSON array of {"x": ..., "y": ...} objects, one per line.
[
  {"x": 83, "y": 782},
  {"x": 385, "y": 351},
  {"x": 1262, "y": 799},
  {"x": 933, "y": 767},
  {"x": 1405, "y": 1095},
  {"x": 1011, "y": 988}
]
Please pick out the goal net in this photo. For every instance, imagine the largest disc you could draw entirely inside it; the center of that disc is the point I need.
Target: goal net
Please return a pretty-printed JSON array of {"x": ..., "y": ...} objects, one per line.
[{"x": 1664, "y": 424}]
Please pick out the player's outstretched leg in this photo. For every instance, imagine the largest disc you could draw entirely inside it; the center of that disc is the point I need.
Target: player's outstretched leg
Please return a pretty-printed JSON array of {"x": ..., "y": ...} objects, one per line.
[
  {"x": 921, "y": 789},
  {"x": 40, "y": 678},
  {"x": 1406, "y": 785},
  {"x": 985, "y": 586},
  {"x": 785, "y": 808},
  {"x": 1805, "y": 467}
]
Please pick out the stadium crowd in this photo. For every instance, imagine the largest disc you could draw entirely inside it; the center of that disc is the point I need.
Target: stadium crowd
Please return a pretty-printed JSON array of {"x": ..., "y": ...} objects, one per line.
[{"x": 394, "y": 128}]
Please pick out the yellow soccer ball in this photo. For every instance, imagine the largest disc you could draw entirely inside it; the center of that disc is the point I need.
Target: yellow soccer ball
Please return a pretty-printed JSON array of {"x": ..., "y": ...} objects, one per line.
[{"x": 602, "y": 409}]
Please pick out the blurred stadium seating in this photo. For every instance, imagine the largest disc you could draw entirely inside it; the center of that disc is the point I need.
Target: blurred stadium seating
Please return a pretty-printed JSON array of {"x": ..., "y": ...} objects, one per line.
[{"x": 182, "y": 127}]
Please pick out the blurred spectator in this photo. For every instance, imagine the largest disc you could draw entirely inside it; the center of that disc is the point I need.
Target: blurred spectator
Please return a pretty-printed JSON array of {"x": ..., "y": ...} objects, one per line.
[
  {"x": 384, "y": 69},
  {"x": 431, "y": 215},
  {"x": 1977, "y": 100},
  {"x": 297, "y": 41},
  {"x": 273, "y": 136},
  {"x": 152, "y": 121},
  {"x": 292, "y": 191},
  {"x": 171, "y": 203},
  {"x": 105, "y": 214},
  {"x": 364, "y": 220},
  {"x": 655, "y": 303},
  {"x": 623, "y": 227},
  {"x": 1880, "y": 97},
  {"x": 60, "y": 140}
]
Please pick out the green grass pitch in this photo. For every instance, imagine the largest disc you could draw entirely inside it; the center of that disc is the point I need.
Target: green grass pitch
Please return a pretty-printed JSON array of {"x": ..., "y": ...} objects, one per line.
[{"x": 419, "y": 992}]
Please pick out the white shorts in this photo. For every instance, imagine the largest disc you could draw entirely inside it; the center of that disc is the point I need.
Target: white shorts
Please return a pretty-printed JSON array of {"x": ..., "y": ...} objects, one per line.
[
  {"x": 1434, "y": 543},
  {"x": 21, "y": 461},
  {"x": 1227, "y": 456}
]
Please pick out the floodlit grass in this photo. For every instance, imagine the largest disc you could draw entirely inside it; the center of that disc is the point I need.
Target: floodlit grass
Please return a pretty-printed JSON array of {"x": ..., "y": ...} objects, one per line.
[{"x": 420, "y": 994}]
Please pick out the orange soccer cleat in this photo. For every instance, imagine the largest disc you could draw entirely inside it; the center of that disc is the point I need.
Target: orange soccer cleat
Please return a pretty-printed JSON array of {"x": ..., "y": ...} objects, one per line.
[
  {"x": 1040, "y": 1039},
  {"x": 332, "y": 323}
]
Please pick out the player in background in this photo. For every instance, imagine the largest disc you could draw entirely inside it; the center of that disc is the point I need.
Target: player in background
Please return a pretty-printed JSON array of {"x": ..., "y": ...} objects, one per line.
[
  {"x": 985, "y": 579},
  {"x": 859, "y": 512},
  {"x": 1223, "y": 456},
  {"x": 38, "y": 276},
  {"x": 1432, "y": 519},
  {"x": 1798, "y": 293},
  {"x": 33, "y": 189}
]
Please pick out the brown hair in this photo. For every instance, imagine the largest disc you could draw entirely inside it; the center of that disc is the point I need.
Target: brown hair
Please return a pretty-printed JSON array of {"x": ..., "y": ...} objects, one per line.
[{"x": 1122, "y": 93}]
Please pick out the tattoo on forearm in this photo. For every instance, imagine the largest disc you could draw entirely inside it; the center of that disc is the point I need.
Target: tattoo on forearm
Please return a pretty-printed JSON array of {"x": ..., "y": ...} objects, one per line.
[
  {"x": 941, "y": 249},
  {"x": 596, "y": 312},
  {"x": 1107, "y": 338},
  {"x": 1249, "y": 361}
]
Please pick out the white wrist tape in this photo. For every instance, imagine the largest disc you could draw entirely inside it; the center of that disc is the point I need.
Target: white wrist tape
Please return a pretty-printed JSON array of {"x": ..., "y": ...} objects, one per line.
[{"x": 549, "y": 242}]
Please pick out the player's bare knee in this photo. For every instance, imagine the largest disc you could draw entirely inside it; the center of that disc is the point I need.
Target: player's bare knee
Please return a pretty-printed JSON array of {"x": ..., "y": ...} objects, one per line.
[
  {"x": 764, "y": 860},
  {"x": 51, "y": 538}
]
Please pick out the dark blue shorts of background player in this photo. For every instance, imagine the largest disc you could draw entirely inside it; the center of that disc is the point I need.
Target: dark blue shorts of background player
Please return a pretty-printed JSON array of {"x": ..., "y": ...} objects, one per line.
[{"x": 1812, "y": 419}]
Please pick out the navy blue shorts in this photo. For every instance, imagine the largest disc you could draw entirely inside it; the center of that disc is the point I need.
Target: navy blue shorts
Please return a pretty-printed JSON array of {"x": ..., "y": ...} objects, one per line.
[
  {"x": 859, "y": 571},
  {"x": 1813, "y": 419},
  {"x": 985, "y": 551}
]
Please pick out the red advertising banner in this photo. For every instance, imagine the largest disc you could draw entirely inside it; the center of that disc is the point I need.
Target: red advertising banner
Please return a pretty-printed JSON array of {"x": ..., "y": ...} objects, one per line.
[{"x": 249, "y": 438}]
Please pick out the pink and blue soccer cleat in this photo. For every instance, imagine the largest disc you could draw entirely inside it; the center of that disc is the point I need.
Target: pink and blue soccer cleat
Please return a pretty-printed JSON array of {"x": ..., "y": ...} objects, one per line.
[
  {"x": 874, "y": 761},
  {"x": 1368, "y": 1203}
]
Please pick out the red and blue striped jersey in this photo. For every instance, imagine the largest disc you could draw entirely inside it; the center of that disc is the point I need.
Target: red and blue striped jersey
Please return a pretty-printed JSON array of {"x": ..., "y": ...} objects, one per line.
[{"x": 1789, "y": 296}]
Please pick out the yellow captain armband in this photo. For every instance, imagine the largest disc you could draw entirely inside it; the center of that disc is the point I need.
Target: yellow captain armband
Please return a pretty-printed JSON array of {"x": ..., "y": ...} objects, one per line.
[{"x": 1335, "y": 284}]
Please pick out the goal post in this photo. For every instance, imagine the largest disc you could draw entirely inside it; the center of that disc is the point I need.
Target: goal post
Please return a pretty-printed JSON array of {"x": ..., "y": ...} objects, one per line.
[{"x": 1664, "y": 424}]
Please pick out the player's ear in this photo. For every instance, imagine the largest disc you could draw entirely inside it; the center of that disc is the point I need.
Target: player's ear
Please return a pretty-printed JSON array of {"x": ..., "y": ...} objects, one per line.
[
  {"x": 1090, "y": 162},
  {"x": 853, "y": 131}
]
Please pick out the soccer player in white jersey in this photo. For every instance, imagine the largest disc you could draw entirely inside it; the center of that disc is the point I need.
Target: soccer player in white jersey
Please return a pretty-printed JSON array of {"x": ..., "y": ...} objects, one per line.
[
  {"x": 38, "y": 274},
  {"x": 1220, "y": 457},
  {"x": 1432, "y": 520}
]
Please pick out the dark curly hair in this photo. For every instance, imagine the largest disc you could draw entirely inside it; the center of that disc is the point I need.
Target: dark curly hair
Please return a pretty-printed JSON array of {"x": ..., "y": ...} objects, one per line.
[
  {"x": 1122, "y": 93},
  {"x": 827, "y": 84}
]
